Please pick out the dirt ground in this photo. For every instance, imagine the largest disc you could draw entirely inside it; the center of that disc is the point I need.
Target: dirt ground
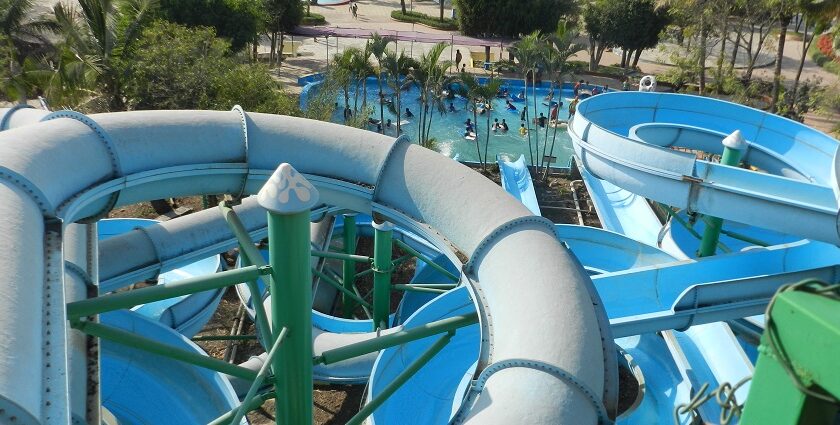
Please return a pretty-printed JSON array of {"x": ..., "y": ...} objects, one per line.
[{"x": 336, "y": 404}]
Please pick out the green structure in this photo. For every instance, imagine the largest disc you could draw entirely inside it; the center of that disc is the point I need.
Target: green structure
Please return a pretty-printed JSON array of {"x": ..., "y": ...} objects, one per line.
[
  {"x": 797, "y": 378},
  {"x": 733, "y": 147}
]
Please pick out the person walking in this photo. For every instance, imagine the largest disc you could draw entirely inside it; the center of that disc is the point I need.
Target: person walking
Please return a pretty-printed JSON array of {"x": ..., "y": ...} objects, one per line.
[{"x": 458, "y": 58}]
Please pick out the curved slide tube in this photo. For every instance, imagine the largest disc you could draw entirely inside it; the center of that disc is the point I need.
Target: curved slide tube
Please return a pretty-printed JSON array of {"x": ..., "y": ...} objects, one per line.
[
  {"x": 186, "y": 314},
  {"x": 136, "y": 156},
  {"x": 625, "y": 138},
  {"x": 140, "y": 388}
]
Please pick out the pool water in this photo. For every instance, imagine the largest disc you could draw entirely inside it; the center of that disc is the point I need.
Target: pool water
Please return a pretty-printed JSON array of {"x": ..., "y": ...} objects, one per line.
[{"x": 448, "y": 128}]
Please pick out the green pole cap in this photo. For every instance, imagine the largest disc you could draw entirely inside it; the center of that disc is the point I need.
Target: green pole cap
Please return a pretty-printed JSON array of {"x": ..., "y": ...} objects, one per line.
[
  {"x": 735, "y": 141},
  {"x": 287, "y": 192}
]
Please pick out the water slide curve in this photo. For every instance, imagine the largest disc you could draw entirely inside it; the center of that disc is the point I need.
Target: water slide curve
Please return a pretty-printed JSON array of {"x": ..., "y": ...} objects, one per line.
[
  {"x": 627, "y": 140},
  {"x": 71, "y": 169}
]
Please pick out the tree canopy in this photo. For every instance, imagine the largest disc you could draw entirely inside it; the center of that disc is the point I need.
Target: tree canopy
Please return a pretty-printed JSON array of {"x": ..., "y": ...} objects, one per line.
[
  {"x": 510, "y": 17},
  {"x": 236, "y": 20}
]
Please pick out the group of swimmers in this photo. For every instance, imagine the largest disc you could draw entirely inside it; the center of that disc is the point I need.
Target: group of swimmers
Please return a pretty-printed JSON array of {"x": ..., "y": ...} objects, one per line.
[{"x": 470, "y": 129}]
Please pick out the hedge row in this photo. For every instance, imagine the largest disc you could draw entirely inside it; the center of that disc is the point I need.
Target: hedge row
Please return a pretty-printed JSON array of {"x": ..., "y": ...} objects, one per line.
[
  {"x": 313, "y": 19},
  {"x": 422, "y": 18}
]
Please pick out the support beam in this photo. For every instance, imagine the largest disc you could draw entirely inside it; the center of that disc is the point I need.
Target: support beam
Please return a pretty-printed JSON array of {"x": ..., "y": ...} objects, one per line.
[
  {"x": 396, "y": 338},
  {"x": 127, "y": 299},
  {"x": 382, "y": 269},
  {"x": 288, "y": 197},
  {"x": 348, "y": 276},
  {"x": 149, "y": 345},
  {"x": 401, "y": 379},
  {"x": 733, "y": 147}
]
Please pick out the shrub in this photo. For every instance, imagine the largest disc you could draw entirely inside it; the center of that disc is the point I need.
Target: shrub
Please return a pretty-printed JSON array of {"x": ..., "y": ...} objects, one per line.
[
  {"x": 313, "y": 19},
  {"x": 510, "y": 18},
  {"x": 422, "y": 18}
]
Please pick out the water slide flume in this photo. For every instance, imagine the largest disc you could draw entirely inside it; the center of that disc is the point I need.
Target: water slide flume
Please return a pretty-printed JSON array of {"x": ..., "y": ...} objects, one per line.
[
  {"x": 137, "y": 156},
  {"x": 626, "y": 139}
]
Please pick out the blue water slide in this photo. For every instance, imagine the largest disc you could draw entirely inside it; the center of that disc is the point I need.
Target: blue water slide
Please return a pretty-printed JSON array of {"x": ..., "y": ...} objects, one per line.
[
  {"x": 142, "y": 388},
  {"x": 630, "y": 138},
  {"x": 186, "y": 314},
  {"x": 516, "y": 180}
]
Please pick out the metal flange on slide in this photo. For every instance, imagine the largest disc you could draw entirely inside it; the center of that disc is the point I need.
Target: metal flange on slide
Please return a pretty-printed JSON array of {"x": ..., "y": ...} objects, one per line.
[{"x": 534, "y": 299}]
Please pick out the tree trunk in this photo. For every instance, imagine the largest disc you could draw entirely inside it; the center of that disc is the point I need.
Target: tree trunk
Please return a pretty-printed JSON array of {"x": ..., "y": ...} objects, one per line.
[
  {"x": 806, "y": 44},
  {"x": 593, "y": 47},
  {"x": 536, "y": 108},
  {"x": 382, "y": 106},
  {"x": 636, "y": 58},
  {"x": 280, "y": 50},
  {"x": 475, "y": 120},
  {"x": 441, "y": 10},
  {"x": 399, "y": 111},
  {"x": 721, "y": 56},
  {"x": 737, "y": 45},
  {"x": 402, "y": 5},
  {"x": 701, "y": 60},
  {"x": 525, "y": 105},
  {"x": 273, "y": 49},
  {"x": 784, "y": 21},
  {"x": 486, "y": 139}
]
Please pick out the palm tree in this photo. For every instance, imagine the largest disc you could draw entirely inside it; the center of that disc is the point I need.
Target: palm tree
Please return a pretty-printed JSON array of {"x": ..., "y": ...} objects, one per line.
[
  {"x": 360, "y": 69},
  {"x": 484, "y": 94},
  {"x": 529, "y": 52},
  {"x": 25, "y": 36},
  {"x": 378, "y": 46},
  {"x": 397, "y": 65},
  {"x": 430, "y": 76},
  {"x": 97, "y": 34},
  {"x": 468, "y": 87},
  {"x": 561, "y": 46},
  {"x": 343, "y": 73}
]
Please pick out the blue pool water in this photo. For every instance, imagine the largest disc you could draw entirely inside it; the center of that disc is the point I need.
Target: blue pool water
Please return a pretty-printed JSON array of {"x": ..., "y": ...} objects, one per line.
[{"x": 448, "y": 128}]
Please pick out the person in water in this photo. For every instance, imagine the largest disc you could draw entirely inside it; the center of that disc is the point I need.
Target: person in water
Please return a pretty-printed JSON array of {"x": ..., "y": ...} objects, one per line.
[
  {"x": 408, "y": 113},
  {"x": 521, "y": 95},
  {"x": 451, "y": 107},
  {"x": 503, "y": 126},
  {"x": 577, "y": 87},
  {"x": 596, "y": 91},
  {"x": 468, "y": 122},
  {"x": 522, "y": 130},
  {"x": 496, "y": 125},
  {"x": 510, "y": 106},
  {"x": 573, "y": 106},
  {"x": 388, "y": 123},
  {"x": 522, "y": 114},
  {"x": 541, "y": 120}
]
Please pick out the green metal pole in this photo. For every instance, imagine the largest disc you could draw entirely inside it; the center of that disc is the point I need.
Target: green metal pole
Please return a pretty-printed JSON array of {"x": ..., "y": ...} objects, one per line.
[
  {"x": 288, "y": 197},
  {"x": 382, "y": 268},
  {"x": 256, "y": 402},
  {"x": 126, "y": 299},
  {"x": 405, "y": 247},
  {"x": 401, "y": 337},
  {"x": 344, "y": 291},
  {"x": 257, "y": 298},
  {"x": 348, "y": 276},
  {"x": 149, "y": 345},
  {"x": 733, "y": 147},
  {"x": 401, "y": 379},
  {"x": 243, "y": 407}
]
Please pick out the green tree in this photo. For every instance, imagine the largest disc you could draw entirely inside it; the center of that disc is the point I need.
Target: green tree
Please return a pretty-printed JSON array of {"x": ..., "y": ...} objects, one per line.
[
  {"x": 819, "y": 15},
  {"x": 281, "y": 17},
  {"x": 398, "y": 65},
  {"x": 96, "y": 35},
  {"x": 24, "y": 36},
  {"x": 378, "y": 46},
  {"x": 235, "y": 20},
  {"x": 484, "y": 94},
  {"x": 784, "y": 11},
  {"x": 177, "y": 67},
  {"x": 702, "y": 13},
  {"x": 562, "y": 45},
  {"x": 430, "y": 76},
  {"x": 530, "y": 52},
  {"x": 509, "y": 18},
  {"x": 638, "y": 28}
]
